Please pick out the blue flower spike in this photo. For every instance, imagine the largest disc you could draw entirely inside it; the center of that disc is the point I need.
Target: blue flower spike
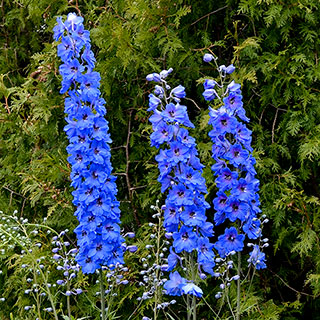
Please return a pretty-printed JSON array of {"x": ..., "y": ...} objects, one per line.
[
  {"x": 98, "y": 233},
  {"x": 181, "y": 177},
  {"x": 237, "y": 199}
]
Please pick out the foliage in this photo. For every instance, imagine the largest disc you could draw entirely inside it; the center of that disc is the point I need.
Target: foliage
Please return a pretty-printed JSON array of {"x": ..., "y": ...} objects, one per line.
[{"x": 274, "y": 46}]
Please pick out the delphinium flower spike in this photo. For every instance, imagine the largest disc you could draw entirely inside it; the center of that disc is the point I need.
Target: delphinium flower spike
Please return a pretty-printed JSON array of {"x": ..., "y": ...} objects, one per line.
[
  {"x": 237, "y": 199},
  {"x": 98, "y": 212},
  {"x": 181, "y": 177}
]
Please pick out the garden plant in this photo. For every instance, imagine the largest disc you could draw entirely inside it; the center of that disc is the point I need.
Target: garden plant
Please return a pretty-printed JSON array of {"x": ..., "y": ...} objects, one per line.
[{"x": 159, "y": 160}]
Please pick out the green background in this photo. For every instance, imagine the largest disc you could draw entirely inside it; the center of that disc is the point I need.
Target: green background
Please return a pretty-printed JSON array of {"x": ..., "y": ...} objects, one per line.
[{"x": 275, "y": 48}]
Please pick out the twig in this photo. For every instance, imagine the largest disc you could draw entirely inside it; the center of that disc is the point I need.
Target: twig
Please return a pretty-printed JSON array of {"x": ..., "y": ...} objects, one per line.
[
  {"x": 273, "y": 126},
  {"x": 119, "y": 147},
  {"x": 127, "y": 170},
  {"x": 138, "y": 187},
  {"x": 18, "y": 194},
  {"x": 293, "y": 289},
  {"x": 208, "y": 14},
  {"x": 7, "y": 105},
  {"x": 194, "y": 103},
  {"x": 260, "y": 118},
  {"x": 205, "y": 48}
]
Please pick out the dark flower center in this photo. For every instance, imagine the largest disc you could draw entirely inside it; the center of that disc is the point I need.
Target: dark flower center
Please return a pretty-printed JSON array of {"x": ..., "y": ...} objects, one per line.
[
  {"x": 165, "y": 132},
  {"x": 181, "y": 194},
  {"x": 185, "y": 236},
  {"x": 89, "y": 192},
  {"x": 79, "y": 158},
  {"x": 192, "y": 214},
  {"x": 204, "y": 249}
]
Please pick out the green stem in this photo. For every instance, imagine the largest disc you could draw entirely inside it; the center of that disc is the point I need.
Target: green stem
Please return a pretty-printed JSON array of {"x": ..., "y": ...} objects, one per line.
[
  {"x": 68, "y": 300},
  {"x": 189, "y": 311},
  {"x": 215, "y": 313},
  {"x": 238, "y": 287},
  {"x": 103, "y": 307},
  {"x": 156, "y": 294},
  {"x": 194, "y": 308},
  {"x": 37, "y": 293}
]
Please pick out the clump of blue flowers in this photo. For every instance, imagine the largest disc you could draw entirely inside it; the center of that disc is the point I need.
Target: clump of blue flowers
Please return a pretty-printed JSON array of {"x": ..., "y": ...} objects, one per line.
[
  {"x": 98, "y": 233},
  {"x": 181, "y": 177},
  {"x": 237, "y": 199}
]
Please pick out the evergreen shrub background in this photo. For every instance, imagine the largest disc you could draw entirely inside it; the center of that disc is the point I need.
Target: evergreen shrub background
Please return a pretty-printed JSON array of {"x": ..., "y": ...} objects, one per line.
[{"x": 275, "y": 48}]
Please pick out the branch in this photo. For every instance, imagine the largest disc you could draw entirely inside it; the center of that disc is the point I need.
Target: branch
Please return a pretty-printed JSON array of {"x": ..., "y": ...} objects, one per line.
[
  {"x": 6, "y": 105},
  {"x": 208, "y": 14},
  {"x": 273, "y": 126},
  {"x": 194, "y": 103},
  {"x": 130, "y": 190},
  {"x": 293, "y": 289}
]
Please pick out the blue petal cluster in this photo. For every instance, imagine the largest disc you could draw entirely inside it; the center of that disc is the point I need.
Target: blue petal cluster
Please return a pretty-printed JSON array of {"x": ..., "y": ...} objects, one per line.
[
  {"x": 181, "y": 176},
  {"x": 237, "y": 199},
  {"x": 98, "y": 212}
]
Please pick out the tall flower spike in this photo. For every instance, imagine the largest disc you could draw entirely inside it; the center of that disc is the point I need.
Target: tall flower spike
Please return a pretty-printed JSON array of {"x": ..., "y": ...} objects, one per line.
[
  {"x": 237, "y": 199},
  {"x": 98, "y": 212},
  {"x": 181, "y": 176}
]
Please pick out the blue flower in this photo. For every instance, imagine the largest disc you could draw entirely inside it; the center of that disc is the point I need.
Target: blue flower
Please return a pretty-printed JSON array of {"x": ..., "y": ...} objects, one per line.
[
  {"x": 174, "y": 113},
  {"x": 153, "y": 102},
  {"x": 257, "y": 258},
  {"x": 178, "y": 92},
  {"x": 193, "y": 216},
  {"x": 163, "y": 133},
  {"x": 205, "y": 251},
  {"x": 209, "y": 84},
  {"x": 233, "y": 87},
  {"x": 230, "y": 69},
  {"x": 154, "y": 77},
  {"x": 209, "y": 94},
  {"x": 192, "y": 289},
  {"x": 230, "y": 241},
  {"x": 174, "y": 286},
  {"x": 208, "y": 57},
  {"x": 252, "y": 228},
  {"x": 237, "y": 210},
  {"x": 184, "y": 240}
]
